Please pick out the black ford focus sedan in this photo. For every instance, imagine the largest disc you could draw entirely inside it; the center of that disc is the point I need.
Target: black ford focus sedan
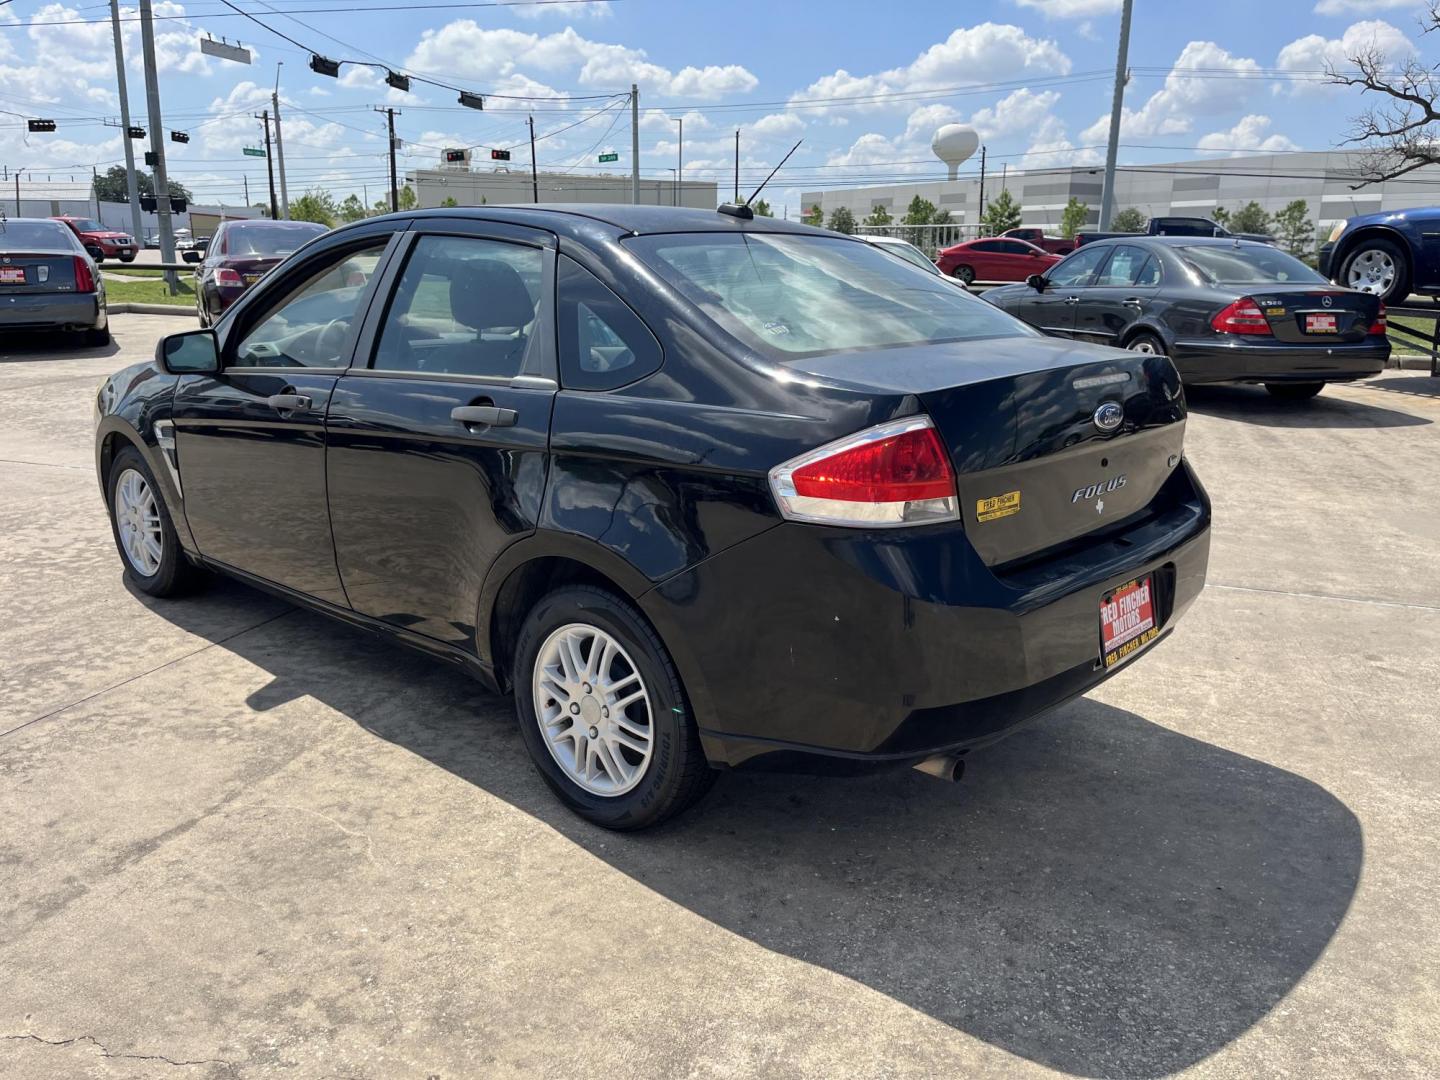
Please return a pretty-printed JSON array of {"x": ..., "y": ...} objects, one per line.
[
  {"x": 703, "y": 492},
  {"x": 1224, "y": 310}
]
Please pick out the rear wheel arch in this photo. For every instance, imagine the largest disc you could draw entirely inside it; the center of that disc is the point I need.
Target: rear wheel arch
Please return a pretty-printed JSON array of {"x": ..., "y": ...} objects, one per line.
[
  {"x": 1371, "y": 232},
  {"x": 1137, "y": 329}
]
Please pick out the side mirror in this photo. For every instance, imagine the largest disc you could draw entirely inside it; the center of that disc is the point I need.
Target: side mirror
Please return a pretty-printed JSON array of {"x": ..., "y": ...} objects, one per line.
[
  {"x": 191, "y": 256},
  {"x": 1036, "y": 282},
  {"x": 194, "y": 352}
]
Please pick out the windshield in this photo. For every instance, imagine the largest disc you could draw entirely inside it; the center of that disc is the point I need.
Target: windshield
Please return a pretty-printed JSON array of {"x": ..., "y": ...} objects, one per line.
[
  {"x": 1251, "y": 264},
  {"x": 270, "y": 240},
  {"x": 910, "y": 253},
  {"x": 792, "y": 296},
  {"x": 30, "y": 235},
  {"x": 86, "y": 225}
]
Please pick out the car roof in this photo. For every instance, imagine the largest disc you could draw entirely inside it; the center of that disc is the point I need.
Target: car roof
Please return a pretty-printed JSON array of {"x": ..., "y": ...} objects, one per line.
[
  {"x": 1178, "y": 241},
  {"x": 262, "y": 221},
  {"x": 635, "y": 220}
]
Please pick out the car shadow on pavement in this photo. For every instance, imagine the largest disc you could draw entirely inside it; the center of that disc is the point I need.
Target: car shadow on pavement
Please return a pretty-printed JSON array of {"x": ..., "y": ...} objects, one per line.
[
  {"x": 1099, "y": 894},
  {"x": 16, "y": 348},
  {"x": 1254, "y": 405},
  {"x": 1408, "y": 386}
]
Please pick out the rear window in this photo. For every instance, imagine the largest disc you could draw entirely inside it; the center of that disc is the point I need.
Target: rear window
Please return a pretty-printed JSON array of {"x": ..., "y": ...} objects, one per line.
[
  {"x": 29, "y": 235},
  {"x": 268, "y": 241},
  {"x": 791, "y": 296},
  {"x": 1251, "y": 264}
]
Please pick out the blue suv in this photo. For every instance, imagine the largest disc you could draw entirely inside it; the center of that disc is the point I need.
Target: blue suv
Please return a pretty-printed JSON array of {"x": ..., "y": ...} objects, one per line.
[{"x": 1390, "y": 254}]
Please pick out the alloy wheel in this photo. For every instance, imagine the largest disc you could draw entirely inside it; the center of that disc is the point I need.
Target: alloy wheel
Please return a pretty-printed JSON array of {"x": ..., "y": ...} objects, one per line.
[
  {"x": 137, "y": 519},
  {"x": 1144, "y": 345},
  {"x": 1372, "y": 271},
  {"x": 593, "y": 709}
]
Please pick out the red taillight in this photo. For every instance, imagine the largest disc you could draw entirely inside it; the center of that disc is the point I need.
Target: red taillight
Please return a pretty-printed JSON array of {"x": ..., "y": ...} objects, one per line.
[
  {"x": 225, "y": 276},
  {"x": 84, "y": 279},
  {"x": 894, "y": 474},
  {"x": 1242, "y": 317},
  {"x": 1378, "y": 326}
]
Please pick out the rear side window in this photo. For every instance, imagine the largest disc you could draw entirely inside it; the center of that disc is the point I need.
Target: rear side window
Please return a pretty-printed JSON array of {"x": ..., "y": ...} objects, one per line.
[
  {"x": 463, "y": 306},
  {"x": 603, "y": 344}
]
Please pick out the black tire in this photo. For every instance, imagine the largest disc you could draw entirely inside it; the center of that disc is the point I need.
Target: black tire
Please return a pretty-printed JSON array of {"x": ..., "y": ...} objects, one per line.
[
  {"x": 175, "y": 574},
  {"x": 1400, "y": 287},
  {"x": 95, "y": 339},
  {"x": 677, "y": 773},
  {"x": 964, "y": 273},
  {"x": 1294, "y": 391},
  {"x": 127, "y": 258},
  {"x": 1146, "y": 342}
]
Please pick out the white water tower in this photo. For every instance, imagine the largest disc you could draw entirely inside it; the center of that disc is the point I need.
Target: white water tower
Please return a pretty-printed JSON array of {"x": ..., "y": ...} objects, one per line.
[{"x": 954, "y": 144}]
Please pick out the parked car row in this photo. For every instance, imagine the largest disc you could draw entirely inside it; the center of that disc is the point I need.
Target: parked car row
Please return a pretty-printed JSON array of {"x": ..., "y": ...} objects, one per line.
[{"x": 702, "y": 491}]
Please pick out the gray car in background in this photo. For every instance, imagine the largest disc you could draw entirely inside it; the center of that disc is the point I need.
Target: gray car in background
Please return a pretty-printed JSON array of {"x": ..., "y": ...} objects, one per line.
[{"x": 49, "y": 282}]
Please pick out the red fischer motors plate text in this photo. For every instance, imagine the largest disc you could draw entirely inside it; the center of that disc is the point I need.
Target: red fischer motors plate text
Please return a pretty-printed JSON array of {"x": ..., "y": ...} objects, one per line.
[{"x": 1127, "y": 620}]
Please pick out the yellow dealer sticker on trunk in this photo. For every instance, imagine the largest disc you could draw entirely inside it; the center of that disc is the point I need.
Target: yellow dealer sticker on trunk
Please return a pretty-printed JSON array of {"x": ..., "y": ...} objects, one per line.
[{"x": 998, "y": 507}]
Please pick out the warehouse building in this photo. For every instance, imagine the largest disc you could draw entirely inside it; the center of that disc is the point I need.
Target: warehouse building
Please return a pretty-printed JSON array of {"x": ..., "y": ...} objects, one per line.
[{"x": 513, "y": 184}]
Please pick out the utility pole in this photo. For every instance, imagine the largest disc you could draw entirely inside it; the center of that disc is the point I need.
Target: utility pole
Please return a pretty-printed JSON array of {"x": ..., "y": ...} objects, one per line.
[
  {"x": 634, "y": 144},
  {"x": 17, "y": 193},
  {"x": 534, "y": 178},
  {"x": 280, "y": 148},
  {"x": 246, "y": 178},
  {"x": 1117, "y": 100},
  {"x": 264, "y": 118},
  {"x": 133, "y": 188},
  {"x": 737, "y": 165},
  {"x": 980, "y": 210},
  {"x": 679, "y": 158},
  {"x": 394, "y": 184},
  {"x": 157, "y": 144}
]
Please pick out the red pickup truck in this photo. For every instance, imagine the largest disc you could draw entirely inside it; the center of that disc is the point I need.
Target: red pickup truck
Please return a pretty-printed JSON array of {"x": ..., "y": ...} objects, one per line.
[
  {"x": 1055, "y": 245},
  {"x": 102, "y": 243}
]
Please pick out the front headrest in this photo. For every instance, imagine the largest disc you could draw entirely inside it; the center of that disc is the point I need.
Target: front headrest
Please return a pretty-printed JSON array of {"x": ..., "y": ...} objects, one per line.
[{"x": 487, "y": 294}]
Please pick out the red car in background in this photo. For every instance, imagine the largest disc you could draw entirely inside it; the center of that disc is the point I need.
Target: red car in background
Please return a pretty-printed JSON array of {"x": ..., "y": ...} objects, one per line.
[
  {"x": 994, "y": 258},
  {"x": 99, "y": 241}
]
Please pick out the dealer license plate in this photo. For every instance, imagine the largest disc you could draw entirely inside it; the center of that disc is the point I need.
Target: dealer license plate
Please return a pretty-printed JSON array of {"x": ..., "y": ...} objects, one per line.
[
  {"x": 250, "y": 279},
  {"x": 1320, "y": 324},
  {"x": 1127, "y": 620},
  {"x": 12, "y": 275}
]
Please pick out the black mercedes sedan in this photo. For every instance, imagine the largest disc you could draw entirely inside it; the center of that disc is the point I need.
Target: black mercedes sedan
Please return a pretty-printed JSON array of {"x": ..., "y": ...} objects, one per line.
[
  {"x": 1224, "y": 310},
  {"x": 702, "y": 491}
]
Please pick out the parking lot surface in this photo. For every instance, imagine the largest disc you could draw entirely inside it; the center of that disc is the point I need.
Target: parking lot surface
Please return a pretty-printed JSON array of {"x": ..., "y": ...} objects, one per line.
[{"x": 240, "y": 840}]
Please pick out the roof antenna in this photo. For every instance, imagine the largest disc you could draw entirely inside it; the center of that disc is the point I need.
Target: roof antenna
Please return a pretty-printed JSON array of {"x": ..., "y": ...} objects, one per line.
[{"x": 743, "y": 210}]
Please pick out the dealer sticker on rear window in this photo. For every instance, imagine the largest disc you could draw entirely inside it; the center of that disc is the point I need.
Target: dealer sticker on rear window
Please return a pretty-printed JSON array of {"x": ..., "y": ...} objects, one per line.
[{"x": 998, "y": 507}]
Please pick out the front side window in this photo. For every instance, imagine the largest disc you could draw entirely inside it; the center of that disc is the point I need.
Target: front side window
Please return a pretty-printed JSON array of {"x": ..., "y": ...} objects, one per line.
[
  {"x": 1246, "y": 264},
  {"x": 1127, "y": 266},
  {"x": 311, "y": 326},
  {"x": 790, "y": 296},
  {"x": 603, "y": 344},
  {"x": 1077, "y": 269},
  {"x": 463, "y": 306}
]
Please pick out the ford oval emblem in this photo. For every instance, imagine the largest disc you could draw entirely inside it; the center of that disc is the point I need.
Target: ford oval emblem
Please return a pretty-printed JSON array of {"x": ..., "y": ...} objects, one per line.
[{"x": 1109, "y": 415}]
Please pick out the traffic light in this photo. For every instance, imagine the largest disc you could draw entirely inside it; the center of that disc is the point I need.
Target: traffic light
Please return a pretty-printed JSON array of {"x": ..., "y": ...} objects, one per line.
[
  {"x": 135, "y": 132},
  {"x": 454, "y": 156},
  {"x": 150, "y": 158},
  {"x": 398, "y": 81},
  {"x": 499, "y": 155},
  {"x": 147, "y": 203},
  {"x": 178, "y": 206},
  {"x": 323, "y": 66},
  {"x": 40, "y": 125},
  {"x": 179, "y": 136}
]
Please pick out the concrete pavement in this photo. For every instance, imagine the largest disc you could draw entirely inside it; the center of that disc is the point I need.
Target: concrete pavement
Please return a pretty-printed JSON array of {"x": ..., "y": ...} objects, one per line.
[{"x": 239, "y": 840}]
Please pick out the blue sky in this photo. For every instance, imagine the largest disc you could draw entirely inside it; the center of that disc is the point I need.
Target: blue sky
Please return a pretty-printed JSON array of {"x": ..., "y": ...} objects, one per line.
[{"x": 865, "y": 85}]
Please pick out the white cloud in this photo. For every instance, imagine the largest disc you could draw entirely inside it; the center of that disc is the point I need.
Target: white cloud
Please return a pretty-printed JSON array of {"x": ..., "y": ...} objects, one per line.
[
  {"x": 1189, "y": 92},
  {"x": 1314, "y": 53},
  {"x": 1359, "y": 7},
  {"x": 975, "y": 54},
  {"x": 580, "y": 9},
  {"x": 1070, "y": 9},
  {"x": 774, "y": 125},
  {"x": 462, "y": 48},
  {"x": 1051, "y": 148},
  {"x": 1247, "y": 136},
  {"x": 1020, "y": 111},
  {"x": 871, "y": 148}
]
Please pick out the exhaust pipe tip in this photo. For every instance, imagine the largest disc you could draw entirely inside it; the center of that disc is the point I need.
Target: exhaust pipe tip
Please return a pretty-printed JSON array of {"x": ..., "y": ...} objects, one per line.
[{"x": 948, "y": 767}]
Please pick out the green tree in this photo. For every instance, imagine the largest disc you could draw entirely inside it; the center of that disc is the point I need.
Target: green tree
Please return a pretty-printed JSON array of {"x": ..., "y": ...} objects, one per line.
[
  {"x": 842, "y": 220},
  {"x": 408, "y": 201},
  {"x": 1249, "y": 218},
  {"x": 879, "y": 216},
  {"x": 315, "y": 205},
  {"x": 1129, "y": 220},
  {"x": 1003, "y": 213},
  {"x": 1072, "y": 218},
  {"x": 762, "y": 208},
  {"x": 814, "y": 216},
  {"x": 1293, "y": 228},
  {"x": 940, "y": 216},
  {"x": 449, "y": 200},
  {"x": 919, "y": 212},
  {"x": 111, "y": 186},
  {"x": 352, "y": 209}
]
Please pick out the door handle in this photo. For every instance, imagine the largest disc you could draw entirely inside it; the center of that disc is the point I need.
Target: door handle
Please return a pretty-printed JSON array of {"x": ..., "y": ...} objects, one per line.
[
  {"x": 1133, "y": 301},
  {"x": 288, "y": 402},
  {"x": 1072, "y": 299},
  {"x": 484, "y": 416}
]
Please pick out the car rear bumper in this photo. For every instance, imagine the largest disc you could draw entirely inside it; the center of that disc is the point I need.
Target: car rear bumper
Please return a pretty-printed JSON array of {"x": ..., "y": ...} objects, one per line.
[
  {"x": 1210, "y": 362},
  {"x": 809, "y": 648},
  {"x": 52, "y": 311}
]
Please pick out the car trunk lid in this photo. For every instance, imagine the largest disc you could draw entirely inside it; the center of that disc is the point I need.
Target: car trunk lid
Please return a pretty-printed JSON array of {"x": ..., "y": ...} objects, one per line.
[
  {"x": 1316, "y": 315},
  {"x": 36, "y": 272},
  {"x": 251, "y": 269},
  {"x": 1035, "y": 470}
]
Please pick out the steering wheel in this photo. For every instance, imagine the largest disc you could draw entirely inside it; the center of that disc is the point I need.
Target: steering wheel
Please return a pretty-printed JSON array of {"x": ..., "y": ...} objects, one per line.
[{"x": 331, "y": 339}]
